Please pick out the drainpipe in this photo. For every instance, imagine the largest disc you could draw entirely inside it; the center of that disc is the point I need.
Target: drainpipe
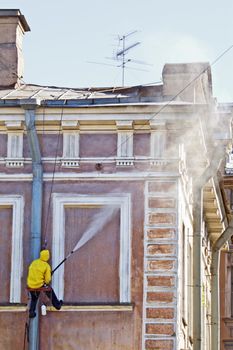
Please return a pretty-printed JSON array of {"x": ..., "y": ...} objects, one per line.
[
  {"x": 197, "y": 277},
  {"x": 36, "y": 207},
  {"x": 215, "y": 298},
  {"x": 208, "y": 173}
]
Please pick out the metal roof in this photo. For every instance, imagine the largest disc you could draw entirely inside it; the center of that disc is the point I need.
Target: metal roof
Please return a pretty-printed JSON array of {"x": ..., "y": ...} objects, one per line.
[
  {"x": 27, "y": 91},
  {"x": 52, "y": 95}
]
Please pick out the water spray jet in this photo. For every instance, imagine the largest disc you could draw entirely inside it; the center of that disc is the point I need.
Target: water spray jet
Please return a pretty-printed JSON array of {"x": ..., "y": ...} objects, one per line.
[{"x": 98, "y": 222}]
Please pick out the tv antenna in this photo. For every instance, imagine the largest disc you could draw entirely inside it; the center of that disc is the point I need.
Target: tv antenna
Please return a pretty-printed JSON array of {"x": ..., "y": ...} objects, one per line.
[{"x": 120, "y": 55}]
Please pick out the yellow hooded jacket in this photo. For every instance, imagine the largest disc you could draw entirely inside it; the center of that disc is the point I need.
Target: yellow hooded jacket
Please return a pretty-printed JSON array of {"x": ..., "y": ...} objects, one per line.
[{"x": 39, "y": 271}]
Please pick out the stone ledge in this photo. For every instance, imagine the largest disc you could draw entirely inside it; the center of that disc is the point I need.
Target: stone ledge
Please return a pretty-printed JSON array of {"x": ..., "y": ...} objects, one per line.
[
  {"x": 13, "y": 308},
  {"x": 65, "y": 308}
]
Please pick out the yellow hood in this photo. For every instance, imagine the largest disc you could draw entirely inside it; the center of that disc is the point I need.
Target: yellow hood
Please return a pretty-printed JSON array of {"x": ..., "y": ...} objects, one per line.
[{"x": 44, "y": 255}]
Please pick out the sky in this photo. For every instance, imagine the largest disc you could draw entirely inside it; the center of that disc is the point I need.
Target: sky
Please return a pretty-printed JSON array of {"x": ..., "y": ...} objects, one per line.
[{"x": 67, "y": 35}]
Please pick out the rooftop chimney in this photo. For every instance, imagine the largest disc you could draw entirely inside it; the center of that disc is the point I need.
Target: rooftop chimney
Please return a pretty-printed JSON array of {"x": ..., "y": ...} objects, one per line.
[
  {"x": 191, "y": 82},
  {"x": 13, "y": 25}
]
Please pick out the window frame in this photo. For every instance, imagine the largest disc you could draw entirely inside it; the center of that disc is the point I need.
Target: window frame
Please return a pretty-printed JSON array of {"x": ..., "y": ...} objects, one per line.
[
  {"x": 14, "y": 156},
  {"x": 62, "y": 201},
  {"x": 17, "y": 204},
  {"x": 70, "y": 156}
]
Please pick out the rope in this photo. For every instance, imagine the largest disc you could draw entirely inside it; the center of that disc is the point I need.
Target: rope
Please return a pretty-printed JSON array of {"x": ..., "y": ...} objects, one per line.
[
  {"x": 40, "y": 302},
  {"x": 27, "y": 324},
  {"x": 54, "y": 169},
  {"x": 26, "y": 333}
]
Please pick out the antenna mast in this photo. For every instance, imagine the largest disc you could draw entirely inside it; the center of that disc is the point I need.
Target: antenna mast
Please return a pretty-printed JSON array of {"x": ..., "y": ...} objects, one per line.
[{"x": 122, "y": 53}]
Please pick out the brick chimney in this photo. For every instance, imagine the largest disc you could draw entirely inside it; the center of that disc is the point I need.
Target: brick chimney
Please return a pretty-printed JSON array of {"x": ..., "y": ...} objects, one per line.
[
  {"x": 13, "y": 25},
  {"x": 191, "y": 81}
]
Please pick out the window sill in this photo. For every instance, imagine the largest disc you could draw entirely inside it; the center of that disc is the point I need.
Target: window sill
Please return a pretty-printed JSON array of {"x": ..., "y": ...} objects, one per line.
[
  {"x": 103, "y": 307},
  {"x": 68, "y": 308},
  {"x": 13, "y": 308}
]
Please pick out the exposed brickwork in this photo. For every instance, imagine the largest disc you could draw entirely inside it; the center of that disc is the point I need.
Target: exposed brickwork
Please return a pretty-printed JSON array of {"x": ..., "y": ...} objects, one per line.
[
  {"x": 166, "y": 313},
  {"x": 166, "y": 329},
  {"x": 159, "y": 344},
  {"x": 161, "y": 260},
  {"x": 166, "y": 233},
  {"x": 162, "y": 218},
  {"x": 162, "y": 203},
  {"x": 163, "y": 297},
  {"x": 164, "y": 265},
  {"x": 154, "y": 249},
  {"x": 160, "y": 281},
  {"x": 162, "y": 186}
]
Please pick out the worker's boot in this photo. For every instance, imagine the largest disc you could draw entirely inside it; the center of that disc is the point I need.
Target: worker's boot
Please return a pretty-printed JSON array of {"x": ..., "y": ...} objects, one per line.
[
  {"x": 32, "y": 314},
  {"x": 60, "y": 305}
]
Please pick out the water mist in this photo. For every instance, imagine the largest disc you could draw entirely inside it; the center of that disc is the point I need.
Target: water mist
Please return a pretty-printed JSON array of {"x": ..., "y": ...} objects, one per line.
[{"x": 100, "y": 219}]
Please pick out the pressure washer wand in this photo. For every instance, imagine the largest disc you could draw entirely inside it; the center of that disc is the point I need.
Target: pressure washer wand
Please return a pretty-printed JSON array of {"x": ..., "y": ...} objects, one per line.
[{"x": 62, "y": 262}]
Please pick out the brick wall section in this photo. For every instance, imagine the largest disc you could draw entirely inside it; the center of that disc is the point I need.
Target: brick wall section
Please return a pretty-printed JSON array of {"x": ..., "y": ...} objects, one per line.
[
  {"x": 162, "y": 328},
  {"x": 165, "y": 313},
  {"x": 160, "y": 297},
  {"x": 162, "y": 218},
  {"x": 161, "y": 281},
  {"x": 160, "y": 263},
  {"x": 163, "y": 265},
  {"x": 159, "y": 345},
  {"x": 155, "y": 249},
  {"x": 164, "y": 233},
  {"x": 162, "y": 202}
]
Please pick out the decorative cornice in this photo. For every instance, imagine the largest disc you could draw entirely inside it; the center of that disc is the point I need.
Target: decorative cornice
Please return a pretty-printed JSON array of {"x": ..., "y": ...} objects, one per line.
[
  {"x": 124, "y": 124},
  {"x": 14, "y": 124},
  {"x": 70, "y": 124},
  {"x": 157, "y": 124}
]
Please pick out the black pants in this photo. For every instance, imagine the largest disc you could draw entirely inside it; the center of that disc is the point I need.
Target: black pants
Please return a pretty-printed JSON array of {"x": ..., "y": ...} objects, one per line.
[{"x": 50, "y": 294}]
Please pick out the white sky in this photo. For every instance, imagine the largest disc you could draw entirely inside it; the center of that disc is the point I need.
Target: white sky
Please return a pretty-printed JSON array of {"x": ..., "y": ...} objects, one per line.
[{"x": 65, "y": 35}]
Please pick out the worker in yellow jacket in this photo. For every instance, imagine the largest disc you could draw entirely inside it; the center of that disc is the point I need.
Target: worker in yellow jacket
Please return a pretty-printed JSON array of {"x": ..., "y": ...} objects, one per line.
[{"x": 39, "y": 275}]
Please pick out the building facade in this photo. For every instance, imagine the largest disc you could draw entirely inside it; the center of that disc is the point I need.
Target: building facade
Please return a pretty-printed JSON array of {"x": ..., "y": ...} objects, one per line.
[
  {"x": 226, "y": 262},
  {"x": 132, "y": 173}
]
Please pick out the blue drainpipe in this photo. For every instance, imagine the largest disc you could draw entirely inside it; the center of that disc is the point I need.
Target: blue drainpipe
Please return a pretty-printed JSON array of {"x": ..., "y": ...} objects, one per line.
[{"x": 36, "y": 207}]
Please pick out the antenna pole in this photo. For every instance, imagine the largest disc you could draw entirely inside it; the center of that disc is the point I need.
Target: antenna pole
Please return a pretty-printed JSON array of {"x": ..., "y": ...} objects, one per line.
[
  {"x": 123, "y": 61},
  {"x": 122, "y": 53},
  {"x": 121, "y": 56}
]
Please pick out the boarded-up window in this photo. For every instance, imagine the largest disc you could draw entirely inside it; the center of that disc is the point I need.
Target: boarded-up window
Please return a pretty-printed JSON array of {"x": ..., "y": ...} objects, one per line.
[
  {"x": 70, "y": 145},
  {"x": 5, "y": 252},
  {"x": 15, "y": 145},
  {"x": 92, "y": 272},
  {"x": 158, "y": 144},
  {"x": 125, "y": 144}
]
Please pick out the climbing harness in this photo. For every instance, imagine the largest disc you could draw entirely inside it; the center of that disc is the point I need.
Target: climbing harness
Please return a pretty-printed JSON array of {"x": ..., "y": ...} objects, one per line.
[{"x": 41, "y": 298}]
